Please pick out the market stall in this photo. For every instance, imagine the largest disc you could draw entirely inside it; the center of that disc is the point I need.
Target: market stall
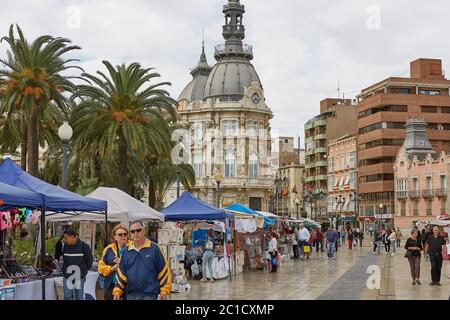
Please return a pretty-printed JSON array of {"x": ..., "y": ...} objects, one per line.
[
  {"x": 54, "y": 200},
  {"x": 251, "y": 236},
  {"x": 195, "y": 217}
]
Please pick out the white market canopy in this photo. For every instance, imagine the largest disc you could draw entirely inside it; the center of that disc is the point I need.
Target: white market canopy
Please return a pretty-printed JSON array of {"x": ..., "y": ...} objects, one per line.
[
  {"x": 268, "y": 215},
  {"x": 121, "y": 207}
]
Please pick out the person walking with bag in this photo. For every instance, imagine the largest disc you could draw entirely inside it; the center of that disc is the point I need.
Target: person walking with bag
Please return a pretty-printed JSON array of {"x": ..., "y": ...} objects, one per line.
[
  {"x": 433, "y": 247},
  {"x": 303, "y": 238},
  {"x": 273, "y": 251},
  {"x": 208, "y": 257},
  {"x": 413, "y": 247}
]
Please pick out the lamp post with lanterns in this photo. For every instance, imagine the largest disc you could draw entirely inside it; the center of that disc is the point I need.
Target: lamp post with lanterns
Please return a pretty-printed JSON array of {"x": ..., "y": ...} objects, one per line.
[
  {"x": 65, "y": 133},
  {"x": 297, "y": 204},
  {"x": 218, "y": 178},
  {"x": 340, "y": 201}
]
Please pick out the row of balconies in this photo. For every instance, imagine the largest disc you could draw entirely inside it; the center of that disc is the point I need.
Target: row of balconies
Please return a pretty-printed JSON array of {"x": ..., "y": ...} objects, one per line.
[
  {"x": 425, "y": 193},
  {"x": 316, "y": 150}
]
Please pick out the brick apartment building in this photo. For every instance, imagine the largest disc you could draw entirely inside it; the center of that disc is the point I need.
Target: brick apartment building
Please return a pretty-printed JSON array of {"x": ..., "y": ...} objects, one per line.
[
  {"x": 337, "y": 118},
  {"x": 383, "y": 109}
]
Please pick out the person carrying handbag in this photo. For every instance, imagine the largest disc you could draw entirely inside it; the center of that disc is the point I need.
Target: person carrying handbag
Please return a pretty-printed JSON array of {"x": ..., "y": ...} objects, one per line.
[{"x": 413, "y": 247}]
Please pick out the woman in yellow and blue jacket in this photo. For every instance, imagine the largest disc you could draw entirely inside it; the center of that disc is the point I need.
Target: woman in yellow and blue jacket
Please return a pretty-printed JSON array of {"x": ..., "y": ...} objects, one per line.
[
  {"x": 109, "y": 264},
  {"x": 143, "y": 272}
]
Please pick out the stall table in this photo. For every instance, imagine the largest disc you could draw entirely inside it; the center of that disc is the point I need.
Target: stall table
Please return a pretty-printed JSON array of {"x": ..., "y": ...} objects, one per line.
[{"x": 33, "y": 290}]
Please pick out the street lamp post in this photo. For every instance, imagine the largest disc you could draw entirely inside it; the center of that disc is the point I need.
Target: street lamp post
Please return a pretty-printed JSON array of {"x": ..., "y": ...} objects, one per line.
[
  {"x": 380, "y": 219},
  {"x": 178, "y": 183},
  {"x": 356, "y": 197},
  {"x": 297, "y": 204},
  {"x": 65, "y": 133},
  {"x": 340, "y": 200},
  {"x": 218, "y": 179}
]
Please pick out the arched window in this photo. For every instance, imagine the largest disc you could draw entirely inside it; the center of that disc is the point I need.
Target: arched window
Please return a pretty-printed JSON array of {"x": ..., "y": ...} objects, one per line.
[
  {"x": 230, "y": 163},
  {"x": 253, "y": 165}
]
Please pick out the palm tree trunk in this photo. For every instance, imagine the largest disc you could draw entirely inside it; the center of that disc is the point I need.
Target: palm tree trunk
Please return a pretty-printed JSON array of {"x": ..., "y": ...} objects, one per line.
[
  {"x": 123, "y": 162},
  {"x": 23, "y": 148},
  {"x": 151, "y": 194},
  {"x": 33, "y": 143}
]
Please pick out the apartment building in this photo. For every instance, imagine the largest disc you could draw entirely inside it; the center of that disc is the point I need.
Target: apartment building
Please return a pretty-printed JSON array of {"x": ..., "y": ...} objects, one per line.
[
  {"x": 337, "y": 118},
  {"x": 383, "y": 109},
  {"x": 342, "y": 180}
]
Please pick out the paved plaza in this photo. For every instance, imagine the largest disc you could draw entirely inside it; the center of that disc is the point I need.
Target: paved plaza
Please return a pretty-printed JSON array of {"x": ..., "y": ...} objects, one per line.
[{"x": 321, "y": 279}]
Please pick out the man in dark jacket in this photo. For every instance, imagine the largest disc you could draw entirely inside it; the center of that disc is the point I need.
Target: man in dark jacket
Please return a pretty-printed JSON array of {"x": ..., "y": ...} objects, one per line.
[{"x": 77, "y": 260}]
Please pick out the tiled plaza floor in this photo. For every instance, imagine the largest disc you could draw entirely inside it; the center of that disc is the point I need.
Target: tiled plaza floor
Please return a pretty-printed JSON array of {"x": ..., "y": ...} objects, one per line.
[{"x": 319, "y": 278}]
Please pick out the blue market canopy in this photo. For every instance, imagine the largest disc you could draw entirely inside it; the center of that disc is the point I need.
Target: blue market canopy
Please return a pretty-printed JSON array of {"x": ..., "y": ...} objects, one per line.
[
  {"x": 56, "y": 198},
  {"x": 187, "y": 207},
  {"x": 16, "y": 197},
  {"x": 239, "y": 208}
]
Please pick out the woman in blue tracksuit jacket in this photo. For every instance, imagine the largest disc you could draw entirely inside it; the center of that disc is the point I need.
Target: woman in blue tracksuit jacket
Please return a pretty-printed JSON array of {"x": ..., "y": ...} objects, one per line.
[{"x": 108, "y": 265}]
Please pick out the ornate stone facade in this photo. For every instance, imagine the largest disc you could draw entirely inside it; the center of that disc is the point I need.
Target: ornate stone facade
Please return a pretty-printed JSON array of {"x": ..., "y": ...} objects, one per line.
[{"x": 228, "y": 121}]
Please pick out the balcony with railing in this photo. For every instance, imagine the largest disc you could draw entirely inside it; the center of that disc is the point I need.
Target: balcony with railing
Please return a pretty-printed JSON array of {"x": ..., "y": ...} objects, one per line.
[
  {"x": 401, "y": 194},
  {"x": 320, "y": 150},
  {"x": 441, "y": 192},
  {"x": 414, "y": 194},
  {"x": 236, "y": 182},
  {"x": 427, "y": 193},
  {"x": 221, "y": 50}
]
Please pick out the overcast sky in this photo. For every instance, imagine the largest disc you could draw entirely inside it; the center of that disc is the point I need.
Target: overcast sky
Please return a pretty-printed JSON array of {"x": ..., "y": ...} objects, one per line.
[{"x": 301, "y": 48}]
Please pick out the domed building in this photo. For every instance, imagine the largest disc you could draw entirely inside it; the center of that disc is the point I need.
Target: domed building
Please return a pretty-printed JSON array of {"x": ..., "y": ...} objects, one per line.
[{"x": 224, "y": 109}]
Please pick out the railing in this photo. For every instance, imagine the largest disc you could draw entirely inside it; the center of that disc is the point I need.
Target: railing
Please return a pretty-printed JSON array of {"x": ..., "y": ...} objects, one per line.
[
  {"x": 237, "y": 182},
  {"x": 222, "y": 49},
  {"x": 415, "y": 212},
  {"x": 401, "y": 194},
  {"x": 320, "y": 150},
  {"x": 441, "y": 193},
  {"x": 414, "y": 194},
  {"x": 427, "y": 193},
  {"x": 403, "y": 212}
]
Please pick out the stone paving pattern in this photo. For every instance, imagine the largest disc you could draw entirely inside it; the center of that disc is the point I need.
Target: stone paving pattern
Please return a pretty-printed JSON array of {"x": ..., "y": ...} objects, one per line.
[{"x": 319, "y": 278}]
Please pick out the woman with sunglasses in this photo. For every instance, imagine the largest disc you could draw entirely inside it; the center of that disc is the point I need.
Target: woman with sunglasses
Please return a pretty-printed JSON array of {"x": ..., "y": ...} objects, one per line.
[{"x": 108, "y": 265}]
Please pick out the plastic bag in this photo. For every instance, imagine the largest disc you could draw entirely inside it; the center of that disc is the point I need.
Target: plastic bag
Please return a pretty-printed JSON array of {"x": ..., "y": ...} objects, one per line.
[{"x": 195, "y": 270}]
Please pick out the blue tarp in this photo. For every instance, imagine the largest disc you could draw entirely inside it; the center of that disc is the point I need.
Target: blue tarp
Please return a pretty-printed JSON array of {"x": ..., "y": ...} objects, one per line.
[
  {"x": 56, "y": 198},
  {"x": 243, "y": 209},
  {"x": 187, "y": 207},
  {"x": 240, "y": 208},
  {"x": 16, "y": 197}
]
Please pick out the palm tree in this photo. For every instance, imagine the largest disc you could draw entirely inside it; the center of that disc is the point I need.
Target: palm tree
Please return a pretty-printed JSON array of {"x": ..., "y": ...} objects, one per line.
[
  {"x": 32, "y": 81},
  {"x": 123, "y": 113}
]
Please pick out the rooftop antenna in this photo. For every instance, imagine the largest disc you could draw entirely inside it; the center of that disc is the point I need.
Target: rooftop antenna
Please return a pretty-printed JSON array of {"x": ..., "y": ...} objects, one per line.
[{"x": 339, "y": 90}]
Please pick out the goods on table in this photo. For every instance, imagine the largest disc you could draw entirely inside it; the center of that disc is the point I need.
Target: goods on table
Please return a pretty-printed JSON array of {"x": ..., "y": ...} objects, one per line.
[{"x": 171, "y": 242}]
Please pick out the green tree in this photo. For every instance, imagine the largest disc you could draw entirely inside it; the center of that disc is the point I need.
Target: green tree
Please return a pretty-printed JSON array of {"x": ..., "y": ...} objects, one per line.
[
  {"x": 123, "y": 114},
  {"x": 33, "y": 80}
]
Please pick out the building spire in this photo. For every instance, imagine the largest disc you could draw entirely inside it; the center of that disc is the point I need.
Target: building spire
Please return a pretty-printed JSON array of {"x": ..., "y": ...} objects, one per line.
[
  {"x": 202, "y": 66},
  {"x": 233, "y": 32}
]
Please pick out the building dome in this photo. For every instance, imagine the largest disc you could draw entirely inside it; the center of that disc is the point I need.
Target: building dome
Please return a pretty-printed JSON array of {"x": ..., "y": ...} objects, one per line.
[
  {"x": 229, "y": 78},
  {"x": 195, "y": 89},
  {"x": 233, "y": 72}
]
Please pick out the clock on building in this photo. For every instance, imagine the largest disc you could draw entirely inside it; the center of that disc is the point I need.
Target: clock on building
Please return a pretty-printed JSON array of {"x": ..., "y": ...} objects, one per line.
[{"x": 255, "y": 98}]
